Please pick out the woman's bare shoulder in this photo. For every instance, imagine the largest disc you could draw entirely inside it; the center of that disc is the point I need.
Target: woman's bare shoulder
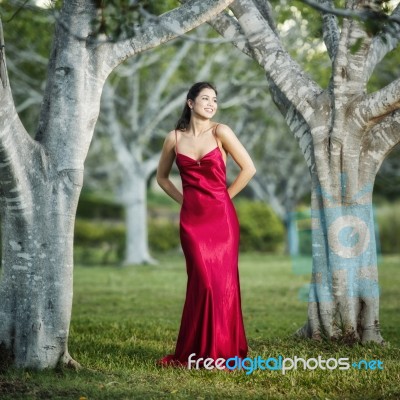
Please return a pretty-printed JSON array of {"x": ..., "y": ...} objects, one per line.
[
  {"x": 171, "y": 136},
  {"x": 223, "y": 130}
]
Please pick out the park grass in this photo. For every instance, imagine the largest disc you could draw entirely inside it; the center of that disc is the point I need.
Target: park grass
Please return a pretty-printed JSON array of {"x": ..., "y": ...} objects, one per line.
[{"x": 124, "y": 319}]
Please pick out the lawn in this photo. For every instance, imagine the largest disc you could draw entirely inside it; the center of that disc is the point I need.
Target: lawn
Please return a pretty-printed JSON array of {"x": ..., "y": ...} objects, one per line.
[{"x": 126, "y": 318}]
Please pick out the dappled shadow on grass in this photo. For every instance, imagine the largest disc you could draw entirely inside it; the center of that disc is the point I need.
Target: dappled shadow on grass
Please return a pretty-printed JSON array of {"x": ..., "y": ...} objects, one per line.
[
  {"x": 21, "y": 384},
  {"x": 14, "y": 387}
]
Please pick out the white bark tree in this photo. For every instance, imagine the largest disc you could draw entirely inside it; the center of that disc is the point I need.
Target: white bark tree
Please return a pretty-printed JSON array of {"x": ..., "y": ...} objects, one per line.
[
  {"x": 131, "y": 121},
  {"x": 41, "y": 178},
  {"x": 344, "y": 134},
  {"x": 141, "y": 103},
  {"x": 282, "y": 179}
]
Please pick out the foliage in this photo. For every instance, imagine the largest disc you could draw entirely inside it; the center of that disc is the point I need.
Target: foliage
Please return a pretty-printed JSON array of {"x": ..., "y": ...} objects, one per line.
[
  {"x": 98, "y": 241},
  {"x": 300, "y": 28},
  {"x": 388, "y": 219},
  {"x": 163, "y": 236},
  {"x": 120, "y": 19},
  {"x": 95, "y": 206},
  {"x": 125, "y": 319},
  {"x": 260, "y": 228},
  {"x": 28, "y": 36},
  {"x": 100, "y": 231}
]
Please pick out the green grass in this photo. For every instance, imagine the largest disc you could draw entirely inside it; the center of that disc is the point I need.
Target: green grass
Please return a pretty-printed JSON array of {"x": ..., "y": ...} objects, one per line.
[{"x": 126, "y": 318}]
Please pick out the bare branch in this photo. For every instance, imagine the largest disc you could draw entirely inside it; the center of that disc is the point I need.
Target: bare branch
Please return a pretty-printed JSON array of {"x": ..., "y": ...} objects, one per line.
[
  {"x": 134, "y": 117},
  {"x": 230, "y": 29},
  {"x": 382, "y": 102},
  {"x": 3, "y": 67},
  {"x": 296, "y": 123},
  {"x": 265, "y": 9},
  {"x": 158, "y": 115},
  {"x": 300, "y": 90},
  {"x": 363, "y": 15},
  {"x": 154, "y": 99},
  {"x": 383, "y": 43},
  {"x": 150, "y": 165},
  {"x": 13, "y": 136},
  {"x": 377, "y": 144},
  {"x": 331, "y": 32},
  {"x": 351, "y": 55},
  {"x": 113, "y": 128},
  {"x": 166, "y": 27}
]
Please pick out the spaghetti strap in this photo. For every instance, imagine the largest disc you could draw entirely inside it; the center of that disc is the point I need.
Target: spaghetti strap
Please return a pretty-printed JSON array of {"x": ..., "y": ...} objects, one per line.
[
  {"x": 214, "y": 131},
  {"x": 176, "y": 143}
]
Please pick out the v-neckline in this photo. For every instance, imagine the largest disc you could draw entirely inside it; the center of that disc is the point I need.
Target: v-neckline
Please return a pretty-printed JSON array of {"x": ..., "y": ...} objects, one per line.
[{"x": 215, "y": 148}]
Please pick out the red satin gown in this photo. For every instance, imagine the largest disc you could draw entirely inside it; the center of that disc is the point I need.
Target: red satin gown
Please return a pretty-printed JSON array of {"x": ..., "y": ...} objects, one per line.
[{"x": 212, "y": 323}]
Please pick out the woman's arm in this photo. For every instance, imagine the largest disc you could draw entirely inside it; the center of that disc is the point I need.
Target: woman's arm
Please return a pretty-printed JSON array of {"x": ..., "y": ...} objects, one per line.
[
  {"x": 242, "y": 158},
  {"x": 164, "y": 168}
]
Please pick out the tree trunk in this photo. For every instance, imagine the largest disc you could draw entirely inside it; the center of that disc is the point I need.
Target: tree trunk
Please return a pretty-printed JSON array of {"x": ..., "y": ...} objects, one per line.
[
  {"x": 135, "y": 192},
  {"x": 37, "y": 261},
  {"x": 344, "y": 292},
  {"x": 41, "y": 179},
  {"x": 344, "y": 133}
]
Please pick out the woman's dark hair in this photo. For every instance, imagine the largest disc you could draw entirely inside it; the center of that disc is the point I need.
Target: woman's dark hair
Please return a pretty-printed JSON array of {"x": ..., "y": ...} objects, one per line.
[{"x": 193, "y": 92}]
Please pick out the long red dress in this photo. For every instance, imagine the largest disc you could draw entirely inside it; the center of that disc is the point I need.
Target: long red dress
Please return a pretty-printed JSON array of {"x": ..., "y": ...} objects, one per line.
[{"x": 212, "y": 323}]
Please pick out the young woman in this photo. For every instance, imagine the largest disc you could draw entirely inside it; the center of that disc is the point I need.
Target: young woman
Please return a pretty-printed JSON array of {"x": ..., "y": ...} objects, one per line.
[{"x": 212, "y": 323}]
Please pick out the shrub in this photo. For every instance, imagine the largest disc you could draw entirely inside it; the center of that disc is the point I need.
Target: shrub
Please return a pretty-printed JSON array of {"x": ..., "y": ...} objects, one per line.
[
  {"x": 388, "y": 221},
  {"x": 260, "y": 228},
  {"x": 163, "y": 235},
  {"x": 92, "y": 206},
  {"x": 98, "y": 241}
]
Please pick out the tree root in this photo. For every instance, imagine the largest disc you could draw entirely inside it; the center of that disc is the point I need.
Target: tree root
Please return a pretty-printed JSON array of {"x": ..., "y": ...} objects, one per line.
[
  {"x": 349, "y": 337},
  {"x": 67, "y": 361}
]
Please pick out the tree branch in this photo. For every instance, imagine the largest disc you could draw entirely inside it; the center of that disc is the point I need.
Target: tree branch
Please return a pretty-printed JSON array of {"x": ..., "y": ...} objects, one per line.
[
  {"x": 383, "y": 43},
  {"x": 157, "y": 116},
  {"x": 154, "y": 99},
  {"x": 296, "y": 123},
  {"x": 381, "y": 102},
  {"x": 3, "y": 66},
  {"x": 299, "y": 89},
  {"x": 113, "y": 129},
  {"x": 13, "y": 136},
  {"x": 330, "y": 29},
  {"x": 150, "y": 165},
  {"x": 364, "y": 15},
  {"x": 166, "y": 27},
  {"x": 229, "y": 28},
  {"x": 377, "y": 144},
  {"x": 265, "y": 9},
  {"x": 351, "y": 56}
]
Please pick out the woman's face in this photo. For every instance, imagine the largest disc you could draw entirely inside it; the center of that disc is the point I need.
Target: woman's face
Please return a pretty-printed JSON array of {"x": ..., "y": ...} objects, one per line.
[{"x": 205, "y": 104}]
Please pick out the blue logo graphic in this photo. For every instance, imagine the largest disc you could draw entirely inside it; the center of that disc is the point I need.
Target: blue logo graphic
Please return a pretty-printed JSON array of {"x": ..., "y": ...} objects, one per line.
[{"x": 343, "y": 243}]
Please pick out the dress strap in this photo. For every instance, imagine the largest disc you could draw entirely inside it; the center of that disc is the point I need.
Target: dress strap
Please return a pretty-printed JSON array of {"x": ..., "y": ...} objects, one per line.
[
  {"x": 176, "y": 143},
  {"x": 214, "y": 131}
]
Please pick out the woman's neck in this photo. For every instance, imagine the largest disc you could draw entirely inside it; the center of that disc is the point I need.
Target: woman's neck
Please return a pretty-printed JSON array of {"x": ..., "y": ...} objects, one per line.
[{"x": 197, "y": 126}]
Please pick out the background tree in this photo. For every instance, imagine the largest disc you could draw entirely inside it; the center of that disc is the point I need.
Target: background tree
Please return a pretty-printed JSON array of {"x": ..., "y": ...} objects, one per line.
[
  {"x": 344, "y": 133},
  {"x": 141, "y": 104},
  {"x": 136, "y": 104},
  {"x": 41, "y": 178}
]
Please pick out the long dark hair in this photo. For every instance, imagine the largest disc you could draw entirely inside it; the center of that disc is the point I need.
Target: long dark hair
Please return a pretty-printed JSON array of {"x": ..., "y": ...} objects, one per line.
[{"x": 193, "y": 92}]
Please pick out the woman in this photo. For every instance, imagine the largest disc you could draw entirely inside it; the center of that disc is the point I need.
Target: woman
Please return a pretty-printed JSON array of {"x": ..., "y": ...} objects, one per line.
[{"x": 212, "y": 324}]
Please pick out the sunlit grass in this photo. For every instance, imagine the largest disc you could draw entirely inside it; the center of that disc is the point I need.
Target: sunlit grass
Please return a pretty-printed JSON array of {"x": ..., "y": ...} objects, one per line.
[{"x": 124, "y": 319}]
